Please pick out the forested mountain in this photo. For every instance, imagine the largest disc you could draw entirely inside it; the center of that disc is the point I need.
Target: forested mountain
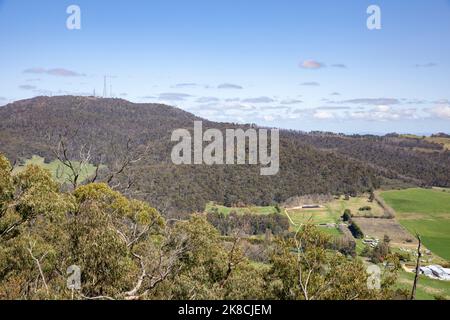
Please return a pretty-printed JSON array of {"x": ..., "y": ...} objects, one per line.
[
  {"x": 108, "y": 129},
  {"x": 413, "y": 159}
]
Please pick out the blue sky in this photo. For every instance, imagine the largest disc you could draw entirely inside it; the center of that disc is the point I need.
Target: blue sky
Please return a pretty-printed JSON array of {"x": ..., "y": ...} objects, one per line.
[{"x": 307, "y": 65}]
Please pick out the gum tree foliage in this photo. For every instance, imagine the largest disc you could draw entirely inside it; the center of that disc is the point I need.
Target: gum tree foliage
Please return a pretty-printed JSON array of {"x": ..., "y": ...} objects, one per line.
[
  {"x": 127, "y": 250},
  {"x": 124, "y": 247},
  {"x": 303, "y": 269}
]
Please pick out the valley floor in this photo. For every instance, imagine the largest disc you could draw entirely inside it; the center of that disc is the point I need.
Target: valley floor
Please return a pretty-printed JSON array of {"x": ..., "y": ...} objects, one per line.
[{"x": 423, "y": 211}]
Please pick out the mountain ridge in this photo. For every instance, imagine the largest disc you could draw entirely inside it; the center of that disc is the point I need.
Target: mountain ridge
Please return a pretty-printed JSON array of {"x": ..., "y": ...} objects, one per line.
[{"x": 309, "y": 163}]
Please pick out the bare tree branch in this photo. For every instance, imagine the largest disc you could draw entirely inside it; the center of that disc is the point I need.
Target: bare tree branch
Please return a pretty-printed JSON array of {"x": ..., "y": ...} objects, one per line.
[
  {"x": 38, "y": 263},
  {"x": 416, "y": 277}
]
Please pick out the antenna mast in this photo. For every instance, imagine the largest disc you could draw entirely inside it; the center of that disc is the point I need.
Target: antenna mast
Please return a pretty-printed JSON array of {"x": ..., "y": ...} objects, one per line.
[{"x": 104, "y": 88}]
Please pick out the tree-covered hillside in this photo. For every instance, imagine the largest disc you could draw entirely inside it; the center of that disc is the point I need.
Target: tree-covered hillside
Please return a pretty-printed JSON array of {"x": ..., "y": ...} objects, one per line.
[
  {"x": 94, "y": 243},
  {"x": 116, "y": 134}
]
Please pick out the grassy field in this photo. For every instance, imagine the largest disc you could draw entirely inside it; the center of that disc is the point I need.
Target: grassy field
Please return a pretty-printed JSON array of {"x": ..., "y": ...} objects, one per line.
[
  {"x": 426, "y": 211},
  {"x": 424, "y": 201},
  {"x": 441, "y": 140},
  {"x": 303, "y": 217},
  {"x": 313, "y": 216},
  {"x": 331, "y": 231},
  {"x": 331, "y": 212},
  {"x": 210, "y": 207},
  {"x": 57, "y": 169},
  {"x": 445, "y": 142}
]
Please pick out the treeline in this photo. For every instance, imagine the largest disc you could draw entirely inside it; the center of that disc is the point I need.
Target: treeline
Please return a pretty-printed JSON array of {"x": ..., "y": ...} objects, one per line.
[
  {"x": 249, "y": 224},
  {"x": 352, "y": 225},
  {"x": 312, "y": 199},
  {"x": 394, "y": 157},
  {"x": 111, "y": 129}
]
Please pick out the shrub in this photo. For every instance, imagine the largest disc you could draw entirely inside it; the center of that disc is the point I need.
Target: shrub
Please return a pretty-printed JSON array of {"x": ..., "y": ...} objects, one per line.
[
  {"x": 347, "y": 216},
  {"x": 356, "y": 230}
]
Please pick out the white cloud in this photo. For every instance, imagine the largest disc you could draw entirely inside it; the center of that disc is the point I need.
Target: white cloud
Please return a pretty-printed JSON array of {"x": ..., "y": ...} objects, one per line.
[
  {"x": 59, "y": 72},
  {"x": 382, "y": 108},
  {"x": 186, "y": 85},
  {"x": 311, "y": 64},
  {"x": 207, "y": 99},
  {"x": 311, "y": 84},
  {"x": 229, "y": 86},
  {"x": 426, "y": 65},
  {"x": 258, "y": 100},
  {"x": 173, "y": 96},
  {"x": 442, "y": 112},
  {"x": 371, "y": 101},
  {"x": 27, "y": 87},
  {"x": 291, "y": 101},
  {"x": 339, "y": 65},
  {"x": 269, "y": 117},
  {"x": 384, "y": 113},
  {"x": 323, "y": 115}
]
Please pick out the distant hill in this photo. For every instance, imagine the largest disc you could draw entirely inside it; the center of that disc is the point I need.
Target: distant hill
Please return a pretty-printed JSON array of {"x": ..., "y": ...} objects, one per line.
[{"x": 309, "y": 162}]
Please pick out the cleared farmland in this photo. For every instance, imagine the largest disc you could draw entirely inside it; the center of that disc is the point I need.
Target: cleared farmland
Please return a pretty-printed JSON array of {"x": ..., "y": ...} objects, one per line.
[
  {"x": 426, "y": 211},
  {"x": 331, "y": 212},
  {"x": 59, "y": 172}
]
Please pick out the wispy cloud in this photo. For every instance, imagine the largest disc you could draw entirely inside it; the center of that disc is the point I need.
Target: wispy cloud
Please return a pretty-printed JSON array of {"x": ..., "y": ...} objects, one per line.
[
  {"x": 333, "y": 108},
  {"x": 339, "y": 65},
  {"x": 384, "y": 113},
  {"x": 258, "y": 100},
  {"x": 442, "y": 101},
  {"x": 442, "y": 112},
  {"x": 232, "y": 99},
  {"x": 173, "y": 96},
  {"x": 27, "y": 87},
  {"x": 372, "y": 101},
  {"x": 291, "y": 101},
  {"x": 278, "y": 108},
  {"x": 311, "y": 64},
  {"x": 323, "y": 115},
  {"x": 186, "y": 85},
  {"x": 311, "y": 84},
  {"x": 414, "y": 101},
  {"x": 426, "y": 65},
  {"x": 229, "y": 86},
  {"x": 59, "y": 72},
  {"x": 207, "y": 99}
]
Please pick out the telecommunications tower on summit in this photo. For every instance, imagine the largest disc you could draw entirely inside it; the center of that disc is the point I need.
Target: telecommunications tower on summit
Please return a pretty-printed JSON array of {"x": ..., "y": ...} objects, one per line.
[{"x": 105, "y": 86}]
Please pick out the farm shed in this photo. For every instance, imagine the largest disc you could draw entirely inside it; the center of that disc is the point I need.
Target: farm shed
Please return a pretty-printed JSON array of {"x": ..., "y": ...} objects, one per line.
[{"x": 436, "y": 272}]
